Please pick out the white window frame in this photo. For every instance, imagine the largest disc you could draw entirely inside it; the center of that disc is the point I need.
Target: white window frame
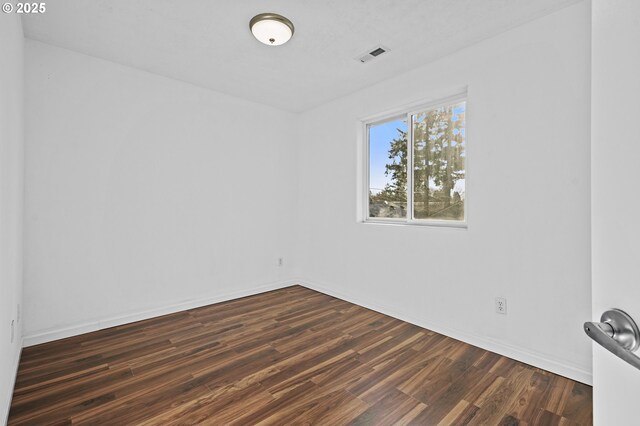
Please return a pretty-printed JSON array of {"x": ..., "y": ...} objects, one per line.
[{"x": 406, "y": 113}]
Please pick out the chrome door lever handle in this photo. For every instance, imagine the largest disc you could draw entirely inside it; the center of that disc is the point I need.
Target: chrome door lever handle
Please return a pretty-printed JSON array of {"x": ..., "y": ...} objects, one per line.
[{"x": 617, "y": 333}]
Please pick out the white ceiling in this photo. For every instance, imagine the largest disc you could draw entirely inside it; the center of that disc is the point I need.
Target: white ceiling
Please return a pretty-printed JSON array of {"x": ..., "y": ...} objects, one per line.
[{"x": 208, "y": 42}]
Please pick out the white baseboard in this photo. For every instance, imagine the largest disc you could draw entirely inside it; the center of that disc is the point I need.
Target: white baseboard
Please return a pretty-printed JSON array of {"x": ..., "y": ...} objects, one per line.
[
  {"x": 543, "y": 361},
  {"x": 527, "y": 356},
  {"x": 16, "y": 363},
  {"x": 44, "y": 336}
]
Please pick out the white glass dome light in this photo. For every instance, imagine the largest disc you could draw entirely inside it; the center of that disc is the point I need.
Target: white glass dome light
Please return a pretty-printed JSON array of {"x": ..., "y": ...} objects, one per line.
[{"x": 271, "y": 29}]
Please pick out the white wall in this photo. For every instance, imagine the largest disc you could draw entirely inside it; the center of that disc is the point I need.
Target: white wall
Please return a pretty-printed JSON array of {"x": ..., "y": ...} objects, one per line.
[
  {"x": 11, "y": 201},
  {"x": 144, "y": 193},
  {"x": 528, "y": 236},
  {"x": 615, "y": 204}
]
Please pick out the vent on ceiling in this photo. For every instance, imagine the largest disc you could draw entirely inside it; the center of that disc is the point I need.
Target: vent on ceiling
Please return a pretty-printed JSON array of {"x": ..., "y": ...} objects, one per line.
[{"x": 372, "y": 54}]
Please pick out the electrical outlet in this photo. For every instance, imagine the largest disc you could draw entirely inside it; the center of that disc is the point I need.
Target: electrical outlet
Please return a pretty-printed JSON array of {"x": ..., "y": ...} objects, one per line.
[
  {"x": 280, "y": 261},
  {"x": 501, "y": 305}
]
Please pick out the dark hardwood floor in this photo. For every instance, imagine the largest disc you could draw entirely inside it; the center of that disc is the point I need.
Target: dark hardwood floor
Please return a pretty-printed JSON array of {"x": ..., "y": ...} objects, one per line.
[{"x": 291, "y": 356}]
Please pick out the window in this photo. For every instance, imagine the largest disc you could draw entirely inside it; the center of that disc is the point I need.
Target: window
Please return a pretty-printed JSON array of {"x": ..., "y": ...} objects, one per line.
[{"x": 416, "y": 166}]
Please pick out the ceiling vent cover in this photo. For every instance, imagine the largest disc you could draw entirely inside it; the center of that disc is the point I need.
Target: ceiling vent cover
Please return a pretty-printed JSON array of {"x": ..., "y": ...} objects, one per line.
[{"x": 372, "y": 54}]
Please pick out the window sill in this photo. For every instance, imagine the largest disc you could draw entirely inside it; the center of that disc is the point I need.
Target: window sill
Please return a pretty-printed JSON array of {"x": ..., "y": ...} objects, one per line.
[{"x": 418, "y": 223}]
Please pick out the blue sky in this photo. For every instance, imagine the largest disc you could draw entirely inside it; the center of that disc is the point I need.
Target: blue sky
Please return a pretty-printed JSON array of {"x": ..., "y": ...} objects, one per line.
[{"x": 380, "y": 137}]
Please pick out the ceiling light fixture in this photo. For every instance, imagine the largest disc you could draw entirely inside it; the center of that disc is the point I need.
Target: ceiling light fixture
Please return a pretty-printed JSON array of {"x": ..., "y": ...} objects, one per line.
[{"x": 271, "y": 29}]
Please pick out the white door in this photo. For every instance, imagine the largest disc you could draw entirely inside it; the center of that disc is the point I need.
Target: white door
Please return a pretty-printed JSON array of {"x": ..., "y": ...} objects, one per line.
[{"x": 615, "y": 197}]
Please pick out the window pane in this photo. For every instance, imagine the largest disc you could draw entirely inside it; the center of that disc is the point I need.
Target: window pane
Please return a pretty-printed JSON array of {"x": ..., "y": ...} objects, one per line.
[
  {"x": 388, "y": 169},
  {"x": 438, "y": 159}
]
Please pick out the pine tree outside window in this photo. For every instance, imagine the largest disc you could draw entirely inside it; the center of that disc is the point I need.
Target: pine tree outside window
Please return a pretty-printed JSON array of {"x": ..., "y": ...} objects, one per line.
[{"x": 416, "y": 166}]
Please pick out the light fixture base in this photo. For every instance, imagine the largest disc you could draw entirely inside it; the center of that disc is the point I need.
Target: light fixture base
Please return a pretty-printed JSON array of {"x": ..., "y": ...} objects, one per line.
[{"x": 271, "y": 29}]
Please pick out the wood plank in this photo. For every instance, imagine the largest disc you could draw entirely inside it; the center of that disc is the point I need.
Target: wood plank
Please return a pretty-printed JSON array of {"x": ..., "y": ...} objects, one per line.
[{"x": 290, "y": 356}]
